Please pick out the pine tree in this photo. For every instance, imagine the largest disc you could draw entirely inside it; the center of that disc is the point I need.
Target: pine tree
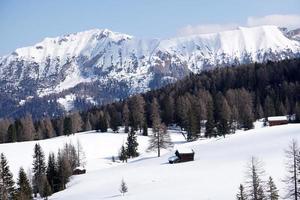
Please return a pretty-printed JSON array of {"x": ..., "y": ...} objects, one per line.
[
  {"x": 241, "y": 195},
  {"x": 132, "y": 144},
  {"x": 7, "y": 184},
  {"x": 24, "y": 190},
  {"x": 293, "y": 165},
  {"x": 223, "y": 113},
  {"x": 183, "y": 105},
  {"x": 123, "y": 187},
  {"x": 52, "y": 173},
  {"x": 28, "y": 128},
  {"x": 114, "y": 119},
  {"x": 254, "y": 182},
  {"x": 245, "y": 109},
  {"x": 45, "y": 188},
  {"x": 64, "y": 170},
  {"x": 125, "y": 115},
  {"x": 76, "y": 122},
  {"x": 39, "y": 168},
  {"x": 192, "y": 127},
  {"x": 169, "y": 108},
  {"x": 210, "y": 123},
  {"x": 145, "y": 129},
  {"x": 48, "y": 128},
  {"x": 272, "y": 191},
  {"x": 123, "y": 154},
  {"x": 87, "y": 125},
  {"x": 103, "y": 123},
  {"x": 297, "y": 111},
  {"x": 67, "y": 126},
  {"x": 261, "y": 193},
  {"x": 12, "y": 133},
  {"x": 269, "y": 109},
  {"x": 137, "y": 108},
  {"x": 4, "y": 124},
  {"x": 70, "y": 153}
]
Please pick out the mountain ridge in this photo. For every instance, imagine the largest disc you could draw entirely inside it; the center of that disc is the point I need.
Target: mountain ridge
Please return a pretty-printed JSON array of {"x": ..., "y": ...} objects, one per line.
[{"x": 119, "y": 65}]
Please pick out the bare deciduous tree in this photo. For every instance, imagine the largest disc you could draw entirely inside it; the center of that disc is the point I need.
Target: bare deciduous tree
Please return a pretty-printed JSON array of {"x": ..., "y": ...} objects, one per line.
[{"x": 292, "y": 166}]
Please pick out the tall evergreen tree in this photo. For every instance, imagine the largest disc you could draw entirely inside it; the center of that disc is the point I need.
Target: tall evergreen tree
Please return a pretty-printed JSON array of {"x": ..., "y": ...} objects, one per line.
[
  {"x": 52, "y": 173},
  {"x": 67, "y": 126},
  {"x": 269, "y": 108},
  {"x": 223, "y": 115},
  {"x": 103, "y": 123},
  {"x": 123, "y": 154},
  {"x": 76, "y": 122},
  {"x": 125, "y": 115},
  {"x": 45, "y": 188},
  {"x": 64, "y": 170},
  {"x": 115, "y": 119},
  {"x": 272, "y": 191},
  {"x": 7, "y": 184},
  {"x": 210, "y": 123},
  {"x": 241, "y": 194},
  {"x": 132, "y": 144},
  {"x": 145, "y": 129},
  {"x": 28, "y": 128},
  {"x": 24, "y": 190},
  {"x": 137, "y": 108},
  {"x": 12, "y": 133},
  {"x": 39, "y": 168},
  {"x": 255, "y": 182}
]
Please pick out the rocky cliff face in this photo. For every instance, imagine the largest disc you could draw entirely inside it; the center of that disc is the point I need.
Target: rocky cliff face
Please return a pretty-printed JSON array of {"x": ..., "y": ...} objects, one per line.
[{"x": 88, "y": 68}]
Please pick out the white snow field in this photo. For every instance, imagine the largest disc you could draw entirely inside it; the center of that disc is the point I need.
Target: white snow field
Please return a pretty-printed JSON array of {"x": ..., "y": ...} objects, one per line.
[{"x": 218, "y": 169}]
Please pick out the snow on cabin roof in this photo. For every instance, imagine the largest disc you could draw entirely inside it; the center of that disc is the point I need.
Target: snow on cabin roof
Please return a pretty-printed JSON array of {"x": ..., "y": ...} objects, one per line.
[
  {"x": 184, "y": 150},
  {"x": 79, "y": 168},
  {"x": 277, "y": 118}
]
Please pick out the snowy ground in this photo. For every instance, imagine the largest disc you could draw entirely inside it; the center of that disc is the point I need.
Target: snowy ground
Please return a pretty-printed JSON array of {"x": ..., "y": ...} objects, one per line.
[{"x": 218, "y": 169}]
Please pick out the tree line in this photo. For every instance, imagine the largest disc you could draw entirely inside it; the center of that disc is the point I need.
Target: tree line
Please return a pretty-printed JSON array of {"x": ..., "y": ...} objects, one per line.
[
  {"x": 212, "y": 103},
  {"x": 44, "y": 178}
]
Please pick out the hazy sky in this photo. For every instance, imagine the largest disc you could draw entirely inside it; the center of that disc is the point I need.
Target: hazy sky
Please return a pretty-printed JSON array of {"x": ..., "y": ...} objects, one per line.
[{"x": 26, "y": 22}]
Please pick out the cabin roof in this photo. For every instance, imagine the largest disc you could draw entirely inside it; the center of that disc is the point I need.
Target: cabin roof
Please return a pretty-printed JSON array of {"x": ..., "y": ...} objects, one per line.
[
  {"x": 79, "y": 168},
  {"x": 183, "y": 150},
  {"x": 277, "y": 118}
]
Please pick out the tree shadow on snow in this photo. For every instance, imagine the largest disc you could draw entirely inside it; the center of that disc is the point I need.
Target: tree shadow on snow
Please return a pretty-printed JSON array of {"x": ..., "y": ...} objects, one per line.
[{"x": 112, "y": 196}]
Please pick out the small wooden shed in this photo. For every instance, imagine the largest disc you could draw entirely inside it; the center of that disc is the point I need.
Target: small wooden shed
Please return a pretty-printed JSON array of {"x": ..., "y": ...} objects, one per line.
[
  {"x": 185, "y": 154},
  {"x": 79, "y": 170},
  {"x": 277, "y": 120}
]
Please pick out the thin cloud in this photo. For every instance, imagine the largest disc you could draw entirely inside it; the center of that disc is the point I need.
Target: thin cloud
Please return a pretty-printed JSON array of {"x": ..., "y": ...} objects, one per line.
[
  {"x": 287, "y": 21},
  {"x": 205, "y": 28}
]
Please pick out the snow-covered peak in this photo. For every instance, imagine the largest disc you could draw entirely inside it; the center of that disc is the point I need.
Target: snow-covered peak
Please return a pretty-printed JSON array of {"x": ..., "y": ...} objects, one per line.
[
  {"x": 241, "y": 40},
  {"x": 70, "y": 45}
]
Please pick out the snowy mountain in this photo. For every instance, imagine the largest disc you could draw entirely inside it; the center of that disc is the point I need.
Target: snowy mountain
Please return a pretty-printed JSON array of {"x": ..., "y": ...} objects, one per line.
[
  {"x": 99, "y": 66},
  {"x": 219, "y": 167}
]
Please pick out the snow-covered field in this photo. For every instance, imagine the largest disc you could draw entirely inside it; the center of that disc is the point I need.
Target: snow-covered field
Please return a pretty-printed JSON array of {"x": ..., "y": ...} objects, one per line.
[{"x": 218, "y": 169}]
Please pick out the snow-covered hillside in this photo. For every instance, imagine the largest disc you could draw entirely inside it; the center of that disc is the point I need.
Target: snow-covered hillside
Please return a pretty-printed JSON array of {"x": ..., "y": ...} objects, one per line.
[
  {"x": 216, "y": 173},
  {"x": 117, "y": 65}
]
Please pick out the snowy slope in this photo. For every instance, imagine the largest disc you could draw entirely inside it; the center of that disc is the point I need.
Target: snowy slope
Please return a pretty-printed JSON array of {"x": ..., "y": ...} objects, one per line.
[
  {"x": 216, "y": 173},
  {"x": 117, "y": 65}
]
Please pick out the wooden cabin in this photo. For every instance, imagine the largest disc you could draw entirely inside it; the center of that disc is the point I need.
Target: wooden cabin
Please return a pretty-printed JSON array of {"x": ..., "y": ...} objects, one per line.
[
  {"x": 182, "y": 155},
  {"x": 78, "y": 170},
  {"x": 277, "y": 120}
]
